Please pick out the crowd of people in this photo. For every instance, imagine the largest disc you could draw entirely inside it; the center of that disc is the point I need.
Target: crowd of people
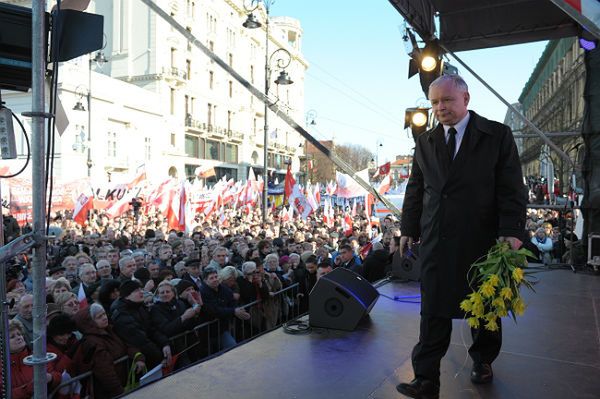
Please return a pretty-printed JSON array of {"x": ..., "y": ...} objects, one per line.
[{"x": 126, "y": 286}]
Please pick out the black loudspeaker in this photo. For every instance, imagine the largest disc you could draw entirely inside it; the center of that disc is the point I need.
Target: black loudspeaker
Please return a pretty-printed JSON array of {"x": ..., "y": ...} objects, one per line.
[
  {"x": 340, "y": 299},
  {"x": 407, "y": 267}
]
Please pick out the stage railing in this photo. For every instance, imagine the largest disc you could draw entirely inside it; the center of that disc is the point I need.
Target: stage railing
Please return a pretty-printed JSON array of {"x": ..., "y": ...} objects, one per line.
[
  {"x": 286, "y": 300},
  {"x": 86, "y": 385}
]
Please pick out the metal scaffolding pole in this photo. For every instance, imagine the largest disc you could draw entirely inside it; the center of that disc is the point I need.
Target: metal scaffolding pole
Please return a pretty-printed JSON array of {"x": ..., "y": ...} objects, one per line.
[{"x": 38, "y": 115}]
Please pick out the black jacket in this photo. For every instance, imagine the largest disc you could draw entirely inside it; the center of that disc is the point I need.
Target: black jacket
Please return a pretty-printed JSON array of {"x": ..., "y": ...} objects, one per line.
[
  {"x": 132, "y": 324},
  {"x": 458, "y": 209},
  {"x": 249, "y": 292},
  {"x": 219, "y": 304},
  {"x": 376, "y": 265}
]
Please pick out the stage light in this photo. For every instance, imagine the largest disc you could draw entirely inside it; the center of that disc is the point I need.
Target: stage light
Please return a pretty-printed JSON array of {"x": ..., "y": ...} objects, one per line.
[
  {"x": 428, "y": 63},
  {"x": 417, "y": 119}
]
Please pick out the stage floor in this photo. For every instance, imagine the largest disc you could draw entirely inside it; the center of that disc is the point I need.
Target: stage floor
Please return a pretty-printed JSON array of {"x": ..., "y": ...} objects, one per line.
[{"x": 553, "y": 352}]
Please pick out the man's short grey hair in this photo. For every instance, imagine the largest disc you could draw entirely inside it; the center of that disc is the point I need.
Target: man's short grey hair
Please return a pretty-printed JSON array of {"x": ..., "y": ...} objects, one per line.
[
  {"x": 248, "y": 267},
  {"x": 85, "y": 267},
  {"x": 220, "y": 249},
  {"x": 272, "y": 256},
  {"x": 227, "y": 272},
  {"x": 124, "y": 260},
  {"x": 456, "y": 80}
]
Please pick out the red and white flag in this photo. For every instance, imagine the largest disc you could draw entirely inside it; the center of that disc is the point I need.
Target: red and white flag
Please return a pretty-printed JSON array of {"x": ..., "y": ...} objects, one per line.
[
  {"x": 385, "y": 184},
  {"x": 82, "y": 206},
  {"x": 383, "y": 169},
  {"x": 347, "y": 225},
  {"x": 81, "y": 297},
  {"x": 347, "y": 187}
]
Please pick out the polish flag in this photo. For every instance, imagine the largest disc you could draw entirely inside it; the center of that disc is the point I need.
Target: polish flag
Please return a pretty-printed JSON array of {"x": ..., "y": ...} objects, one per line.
[
  {"x": 347, "y": 225},
  {"x": 82, "y": 206},
  {"x": 385, "y": 185},
  {"x": 347, "y": 187},
  {"x": 81, "y": 297},
  {"x": 383, "y": 169}
]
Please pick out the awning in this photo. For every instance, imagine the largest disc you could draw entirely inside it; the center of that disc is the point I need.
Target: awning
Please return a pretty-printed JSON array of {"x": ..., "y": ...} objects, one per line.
[{"x": 471, "y": 25}]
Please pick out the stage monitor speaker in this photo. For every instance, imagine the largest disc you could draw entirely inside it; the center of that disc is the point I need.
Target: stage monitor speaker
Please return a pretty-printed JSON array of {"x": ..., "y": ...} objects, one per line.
[
  {"x": 340, "y": 299},
  {"x": 407, "y": 267}
]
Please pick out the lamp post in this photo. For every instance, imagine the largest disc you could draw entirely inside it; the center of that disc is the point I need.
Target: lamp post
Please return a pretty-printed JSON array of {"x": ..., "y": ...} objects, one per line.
[
  {"x": 283, "y": 59},
  {"x": 99, "y": 59}
]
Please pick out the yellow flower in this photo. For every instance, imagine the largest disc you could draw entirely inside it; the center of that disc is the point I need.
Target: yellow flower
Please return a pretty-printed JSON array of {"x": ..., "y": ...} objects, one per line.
[
  {"x": 466, "y": 305},
  {"x": 498, "y": 303},
  {"x": 487, "y": 290},
  {"x": 475, "y": 298},
  {"x": 506, "y": 293},
  {"x": 490, "y": 316},
  {"x": 494, "y": 280},
  {"x": 517, "y": 274},
  {"x": 491, "y": 325},
  {"x": 518, "y": 306},
  {"x": 502, "y": 312},
  {"x": 478, "y": 309},
  {"x": 473, "y": 322}
]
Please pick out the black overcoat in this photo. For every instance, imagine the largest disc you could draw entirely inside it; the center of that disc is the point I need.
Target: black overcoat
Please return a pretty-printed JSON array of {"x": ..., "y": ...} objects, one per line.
[{"x": 457, "y": 209}]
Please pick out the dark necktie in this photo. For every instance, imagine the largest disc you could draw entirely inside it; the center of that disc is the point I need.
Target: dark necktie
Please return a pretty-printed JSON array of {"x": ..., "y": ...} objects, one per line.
[{"x": 451, "y": 143}]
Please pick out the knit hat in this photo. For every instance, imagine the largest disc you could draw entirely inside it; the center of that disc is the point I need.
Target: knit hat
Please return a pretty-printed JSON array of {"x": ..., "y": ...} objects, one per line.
[
  {"x": 142, "y": 274},
  {"x": 283, "y": 260},
  {"x": 192, "y": 263},
  {"x": 61, "y": 324},
  {"x": 127, "y": 287},
  {"x": 183, "y": 285},
  {"x": 95, "y": 310}
]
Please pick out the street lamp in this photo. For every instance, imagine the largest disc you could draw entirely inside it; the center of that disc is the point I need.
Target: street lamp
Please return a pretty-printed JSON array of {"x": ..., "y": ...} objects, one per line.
[
  {"x": 100, "y": 60},
  {"x": 283, "y": 58}
]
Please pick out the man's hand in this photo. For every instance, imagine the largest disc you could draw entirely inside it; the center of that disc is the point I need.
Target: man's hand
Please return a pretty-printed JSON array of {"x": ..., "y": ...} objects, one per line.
[
  {"x": 514, "y": 242},
  {"x": 166, "y": 350},
  {"x": 139, "y": 366},
  {"x": 405, "y": 243},
  {"x": 241, "y": 314}
]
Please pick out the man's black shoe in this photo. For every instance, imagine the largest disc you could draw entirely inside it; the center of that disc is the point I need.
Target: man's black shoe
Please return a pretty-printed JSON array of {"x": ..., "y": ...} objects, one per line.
[
  {"x": 419, "y": 389},
  {"x": 482, "y": 373}
]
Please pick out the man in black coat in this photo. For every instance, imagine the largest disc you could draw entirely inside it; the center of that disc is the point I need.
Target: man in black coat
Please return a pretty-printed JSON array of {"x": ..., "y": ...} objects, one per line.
[
  {"x": 465, "y": 192},
  {"x": 133, "y": 325}
]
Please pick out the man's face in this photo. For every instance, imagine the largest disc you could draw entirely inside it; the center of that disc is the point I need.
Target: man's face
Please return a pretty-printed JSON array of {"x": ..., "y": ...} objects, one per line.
[
  {"x": 25, "y": 307},
  {"x": 89, "y": 276},
  {"x": 194, "y": 270},
  {"x": 113, "y": 258},
  {"x": 136, "y": 296},
  {"x": 128, "y": 269},
  {"x": 212, "y": 280},
  {"x": 345, "y": 255},
  {"x": 165, "y": 253},
  {"x": 311, "y": 267},
  {"x": 103, "y": 270},
  {"x": 154, "y": 270},
  {"x": 220, "y": 257},
  {"x": 448, "y": 102},
  {"x": 139, "y": 261}
]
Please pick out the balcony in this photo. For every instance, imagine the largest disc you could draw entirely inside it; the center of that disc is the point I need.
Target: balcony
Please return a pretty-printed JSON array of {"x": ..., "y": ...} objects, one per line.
[
  {"x": 217, "y": 132},
  {"x": 194, "y": 125},
  {"x": 234, "y": 136},
  {"x": 175, "y": 75}
]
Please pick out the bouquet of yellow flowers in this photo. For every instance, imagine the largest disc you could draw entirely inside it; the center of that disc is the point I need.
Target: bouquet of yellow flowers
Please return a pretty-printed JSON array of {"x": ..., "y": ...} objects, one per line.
[{"x": 499, "y": 275}]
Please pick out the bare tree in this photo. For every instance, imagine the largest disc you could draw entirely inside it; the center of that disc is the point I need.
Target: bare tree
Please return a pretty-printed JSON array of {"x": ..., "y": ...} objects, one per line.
[{"x": 355, "y": 155}]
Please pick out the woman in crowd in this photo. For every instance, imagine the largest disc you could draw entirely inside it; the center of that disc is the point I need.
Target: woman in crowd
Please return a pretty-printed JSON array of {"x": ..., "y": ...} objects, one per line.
[
  {"x": 60, "y": 286},
  {"x": 252, "y": 289},
  {"x": 171, "y": 316},
  {"x": 543, "y": 244},
  {"x": 67, "y": 303},
  {"x": 228, "y": 276},
  {"x": 21, "y": 375},
  {"x": 109, "y": 292},
  {"x": 100, "y": 347},
  {"x": 272, "y": 303}
]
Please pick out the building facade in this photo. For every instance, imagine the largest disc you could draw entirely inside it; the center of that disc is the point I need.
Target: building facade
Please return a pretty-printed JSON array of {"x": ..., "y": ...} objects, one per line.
[
  {"x": 553, "y": 100},
  {"x": 161, "y": 102}
]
